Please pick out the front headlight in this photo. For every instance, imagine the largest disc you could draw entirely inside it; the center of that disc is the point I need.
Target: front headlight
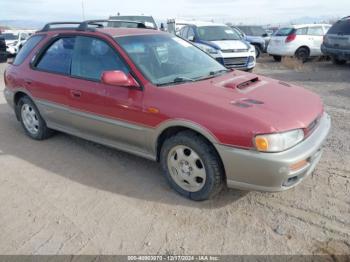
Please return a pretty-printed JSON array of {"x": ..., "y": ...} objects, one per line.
[
  {"x": 211, "y": 50},
  {"x": 278, "y": 142}
]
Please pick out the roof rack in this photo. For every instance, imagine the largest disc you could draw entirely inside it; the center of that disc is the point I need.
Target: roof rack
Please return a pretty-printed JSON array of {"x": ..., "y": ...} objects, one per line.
[
  {"x": 88, "y": 25},
  {"x": 49, "y": 27},
  {"x": 85, "y": 25}
]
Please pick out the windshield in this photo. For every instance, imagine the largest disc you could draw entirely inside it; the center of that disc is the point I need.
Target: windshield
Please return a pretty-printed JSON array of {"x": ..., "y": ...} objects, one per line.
[
  {"x": 253, "y": 30},
  {"x": 147, "y": 20},
  {"x": 217, "y": 33},
  {"x": 10, "y": 36},
  {"x": 167, "y": 59},
  {"x": 284, "y": 31}
]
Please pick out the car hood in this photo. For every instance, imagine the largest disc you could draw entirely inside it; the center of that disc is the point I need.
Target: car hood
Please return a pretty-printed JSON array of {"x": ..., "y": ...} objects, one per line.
[
  {"x": 231, "y": 44},
  {"x": 264, "y": 105}
]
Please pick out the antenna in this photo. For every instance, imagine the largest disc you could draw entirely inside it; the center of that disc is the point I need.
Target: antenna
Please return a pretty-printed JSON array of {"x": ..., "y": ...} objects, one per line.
[{"x": 83, "y": 10}]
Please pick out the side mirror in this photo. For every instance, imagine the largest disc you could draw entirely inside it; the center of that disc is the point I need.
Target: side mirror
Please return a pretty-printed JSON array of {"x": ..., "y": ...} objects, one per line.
[
  {"x": 191, "y": 38},
  {"x": 118, "y": 78}
]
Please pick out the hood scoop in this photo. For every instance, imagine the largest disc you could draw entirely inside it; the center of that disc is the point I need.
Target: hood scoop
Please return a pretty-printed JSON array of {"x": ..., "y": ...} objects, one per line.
[{"x": 244, "y": 83}]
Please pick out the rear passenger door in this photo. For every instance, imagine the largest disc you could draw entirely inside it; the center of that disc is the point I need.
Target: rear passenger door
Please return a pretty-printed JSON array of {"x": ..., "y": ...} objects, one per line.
[
  {"x": 104, "y": 113},
  {"x": 49, "y": 82}
]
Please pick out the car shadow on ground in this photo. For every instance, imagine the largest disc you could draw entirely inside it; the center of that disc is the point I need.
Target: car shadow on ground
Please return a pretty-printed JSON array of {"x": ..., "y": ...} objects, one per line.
[{"x": 97, "y": 166}]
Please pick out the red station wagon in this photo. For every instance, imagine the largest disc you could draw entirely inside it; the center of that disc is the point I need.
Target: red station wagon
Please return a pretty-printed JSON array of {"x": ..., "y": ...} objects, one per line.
[{"x": 155, "y": 95}]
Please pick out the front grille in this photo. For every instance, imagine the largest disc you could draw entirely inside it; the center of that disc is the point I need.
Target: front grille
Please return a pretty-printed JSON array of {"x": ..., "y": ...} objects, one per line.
[
  {"x": 235, "y": 61},
  {"x": 234, "y": 50}
]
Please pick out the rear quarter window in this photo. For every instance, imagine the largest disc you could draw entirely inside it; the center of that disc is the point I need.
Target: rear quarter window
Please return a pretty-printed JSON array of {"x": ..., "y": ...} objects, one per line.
[
  {"x": 29, "y": 45},
  {"x": 341, "y": 27},
  {"x": 286, "y": 31}
]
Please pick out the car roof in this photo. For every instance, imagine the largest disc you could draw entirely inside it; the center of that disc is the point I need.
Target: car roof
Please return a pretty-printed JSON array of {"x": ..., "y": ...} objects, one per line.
[
  {"x": 200, "y": 23},
  {"x": 307, "y": 25}
]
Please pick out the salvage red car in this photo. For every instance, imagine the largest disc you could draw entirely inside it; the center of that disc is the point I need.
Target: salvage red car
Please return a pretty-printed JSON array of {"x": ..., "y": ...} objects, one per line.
[{"x": 156, "y": 95}]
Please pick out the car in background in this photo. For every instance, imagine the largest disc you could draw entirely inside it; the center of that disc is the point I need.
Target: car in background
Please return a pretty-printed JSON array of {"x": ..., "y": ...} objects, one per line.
[
  {"x": 3, "y": 53},
  {"x": 221, "y": 42},
  {"x": 148, "y": 21},
  {"x": 336, "y": 43},
  {"x": 15, "y": 40},
  {"x": 300, "y": 41},
  {"x": 256, "y": 37}
]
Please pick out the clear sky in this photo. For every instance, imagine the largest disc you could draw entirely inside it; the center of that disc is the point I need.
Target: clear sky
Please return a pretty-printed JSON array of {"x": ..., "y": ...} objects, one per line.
[{"x": 236, "y": 11}]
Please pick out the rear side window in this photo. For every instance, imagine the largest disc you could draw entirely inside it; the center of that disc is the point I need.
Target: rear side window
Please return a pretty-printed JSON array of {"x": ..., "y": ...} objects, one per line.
[
  {"x": 301, "y": 31},
  {"x": 27, "y": 48},
  {"x": 93, "y": 56},
  {"x": 341, "y": 27},
  {"x": 318, "y": 31},
  {"x": 58, "y": 57},
  {"x": 286, "y": 31}
]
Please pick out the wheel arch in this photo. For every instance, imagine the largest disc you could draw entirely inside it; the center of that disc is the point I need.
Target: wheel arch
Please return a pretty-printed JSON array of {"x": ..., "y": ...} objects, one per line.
[
  {"x": 171, "y": 128},
  {"x": 17, "y": 96},
  {"x": 303, "y": 46}
]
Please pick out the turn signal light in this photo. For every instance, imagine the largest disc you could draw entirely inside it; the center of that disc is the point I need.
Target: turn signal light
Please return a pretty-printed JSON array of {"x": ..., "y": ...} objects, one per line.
[
  {"x": 261, "y": 143},
  {"x": 299, "y": 165}
]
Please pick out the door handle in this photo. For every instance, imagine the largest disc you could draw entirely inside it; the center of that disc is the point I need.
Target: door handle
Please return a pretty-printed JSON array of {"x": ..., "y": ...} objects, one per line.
[{"x": 75, "y": 94}]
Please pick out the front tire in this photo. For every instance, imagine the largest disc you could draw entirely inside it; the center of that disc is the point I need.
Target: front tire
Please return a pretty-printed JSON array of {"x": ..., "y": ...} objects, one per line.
[
  {"x": 192, "y": 166},
  {"x": 257, "y": 51},
  {"x": 31, "y": 120}
]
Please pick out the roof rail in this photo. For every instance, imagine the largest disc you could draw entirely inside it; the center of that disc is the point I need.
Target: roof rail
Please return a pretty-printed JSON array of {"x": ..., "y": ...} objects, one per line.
[
  {"x": 346, "y": 17},
  {"x": 98, "y": 23},
  {"x": 86, "y": 25},
  {"x": 48, "y": 26}
]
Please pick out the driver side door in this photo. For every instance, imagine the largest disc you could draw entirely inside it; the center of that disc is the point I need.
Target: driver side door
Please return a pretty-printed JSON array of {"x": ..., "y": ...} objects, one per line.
[{"x": 104, "y": 113}]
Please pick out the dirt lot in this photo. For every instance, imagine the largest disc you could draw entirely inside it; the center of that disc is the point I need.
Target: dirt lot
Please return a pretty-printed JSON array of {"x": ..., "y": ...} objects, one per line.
[{"x": 69, "y": 196}]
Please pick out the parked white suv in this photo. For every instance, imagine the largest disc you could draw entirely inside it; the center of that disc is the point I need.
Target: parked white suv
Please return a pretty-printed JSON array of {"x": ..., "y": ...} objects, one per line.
[
  {"x": 15, "y": 40},
  {"x": 221, "y": 42},
  {"x": 301, "y": 41}
]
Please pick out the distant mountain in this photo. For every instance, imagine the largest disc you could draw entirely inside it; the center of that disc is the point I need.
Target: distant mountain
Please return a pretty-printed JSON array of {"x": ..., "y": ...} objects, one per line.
[{"x": 22, "y": 24}]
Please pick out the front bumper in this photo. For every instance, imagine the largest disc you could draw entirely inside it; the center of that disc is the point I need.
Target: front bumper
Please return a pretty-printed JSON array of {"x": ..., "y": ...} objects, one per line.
[{"x": 252, "y": 170}]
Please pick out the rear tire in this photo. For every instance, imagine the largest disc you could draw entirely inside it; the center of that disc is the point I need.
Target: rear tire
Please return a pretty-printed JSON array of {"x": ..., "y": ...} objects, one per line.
[
  {"x": 302, "y": 54},
  {"x": 191, "y": 166},
  {"x": 32, "y": 122},
  {"x": 337, "y": 61},
  {"x": 277, "y": 58}
]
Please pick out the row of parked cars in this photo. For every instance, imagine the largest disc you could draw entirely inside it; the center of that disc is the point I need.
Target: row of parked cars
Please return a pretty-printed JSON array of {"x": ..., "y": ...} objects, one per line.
[{"x": 233, "y": 46}]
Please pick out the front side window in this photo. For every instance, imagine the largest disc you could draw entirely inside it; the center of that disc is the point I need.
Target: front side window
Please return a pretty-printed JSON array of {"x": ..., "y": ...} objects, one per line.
[
  {"x": 318, "y": 31},
  {"x": 58, "y": 57},
  {"x": 166, "y": 59},
  {"x": 190, "y": 34},
  {"x": 217, "y": 33},
  {"x": 10, "y": 36},
  {"x": 27, "y": 48},
  {"x": 92, "y": 57}
]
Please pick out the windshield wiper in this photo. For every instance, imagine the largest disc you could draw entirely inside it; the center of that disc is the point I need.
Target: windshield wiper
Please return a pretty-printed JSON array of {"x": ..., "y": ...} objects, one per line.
[
  {"x": 213, "y": 74},
  {"x": 177, "y": 80}
]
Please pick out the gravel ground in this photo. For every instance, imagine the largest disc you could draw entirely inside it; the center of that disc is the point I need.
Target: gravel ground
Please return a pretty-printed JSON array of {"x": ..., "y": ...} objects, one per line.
[{"x": 69, "y": 196}]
